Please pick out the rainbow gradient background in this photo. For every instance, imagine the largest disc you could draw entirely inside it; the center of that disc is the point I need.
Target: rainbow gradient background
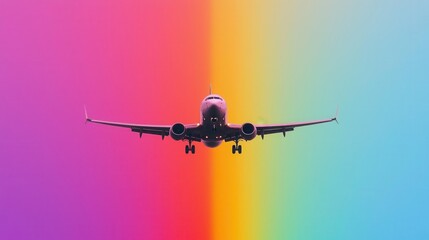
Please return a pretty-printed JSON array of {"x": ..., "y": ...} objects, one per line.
[{"x": 273, "y": 61}]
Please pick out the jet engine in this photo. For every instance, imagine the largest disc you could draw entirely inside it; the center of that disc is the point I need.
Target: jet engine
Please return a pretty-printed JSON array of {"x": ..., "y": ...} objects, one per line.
[
  {"x": 177, "y": 131},
  {"x": 248, "y": 131}
]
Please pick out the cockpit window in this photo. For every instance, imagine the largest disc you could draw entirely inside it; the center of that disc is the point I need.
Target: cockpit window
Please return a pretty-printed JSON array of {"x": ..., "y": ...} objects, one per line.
[{"x": 214, "y": 97}]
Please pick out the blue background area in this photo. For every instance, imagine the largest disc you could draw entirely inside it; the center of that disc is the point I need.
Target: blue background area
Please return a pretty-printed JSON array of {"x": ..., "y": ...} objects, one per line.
[{"x": 368, "y": 178}]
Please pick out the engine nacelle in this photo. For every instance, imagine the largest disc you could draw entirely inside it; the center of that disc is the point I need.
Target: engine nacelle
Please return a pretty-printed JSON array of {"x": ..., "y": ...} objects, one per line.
[
  {"x": 248, "y": 131},
  {"x": 177, "y": 131}
]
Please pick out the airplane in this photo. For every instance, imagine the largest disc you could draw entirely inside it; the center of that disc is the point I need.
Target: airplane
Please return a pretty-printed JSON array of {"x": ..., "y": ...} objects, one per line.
[{"x": 213, "y": 127}]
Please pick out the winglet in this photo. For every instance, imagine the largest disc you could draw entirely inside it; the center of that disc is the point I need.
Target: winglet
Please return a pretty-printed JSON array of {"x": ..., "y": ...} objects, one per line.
[
  {"x": 336, "y": 115},
  {"x": 87, "y": 119}
]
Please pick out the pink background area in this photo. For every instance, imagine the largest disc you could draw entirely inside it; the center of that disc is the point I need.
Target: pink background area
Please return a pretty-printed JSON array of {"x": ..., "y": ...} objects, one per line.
[{"x": 127, "y": 61}]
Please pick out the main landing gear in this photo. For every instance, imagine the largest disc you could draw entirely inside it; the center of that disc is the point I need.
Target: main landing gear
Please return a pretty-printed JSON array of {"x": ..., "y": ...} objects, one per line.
[
  {"x": 236, "y": 147},
  {"x": 190, "y": 148}
]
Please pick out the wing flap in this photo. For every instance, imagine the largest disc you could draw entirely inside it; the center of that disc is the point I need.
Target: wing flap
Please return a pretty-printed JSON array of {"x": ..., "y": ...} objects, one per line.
[{"x": 151, "y": 131}]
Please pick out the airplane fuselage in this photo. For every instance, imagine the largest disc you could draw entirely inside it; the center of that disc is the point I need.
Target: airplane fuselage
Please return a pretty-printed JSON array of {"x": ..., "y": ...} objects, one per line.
[{"x": 213, "y": 120}]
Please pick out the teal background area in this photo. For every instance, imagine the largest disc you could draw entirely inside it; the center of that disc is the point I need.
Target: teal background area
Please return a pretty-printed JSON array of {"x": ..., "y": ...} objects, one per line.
[{"x": 366, "y": 178}]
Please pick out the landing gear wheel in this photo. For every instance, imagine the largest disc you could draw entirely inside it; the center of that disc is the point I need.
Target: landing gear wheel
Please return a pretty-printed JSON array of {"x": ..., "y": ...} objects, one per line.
[
  {"x": 190, "y": 147},
  {"x": 236, "y": 147}
]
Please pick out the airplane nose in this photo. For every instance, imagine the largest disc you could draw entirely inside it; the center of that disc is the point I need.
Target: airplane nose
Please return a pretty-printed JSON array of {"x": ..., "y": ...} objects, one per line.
[{"x": 213, "y": 109}]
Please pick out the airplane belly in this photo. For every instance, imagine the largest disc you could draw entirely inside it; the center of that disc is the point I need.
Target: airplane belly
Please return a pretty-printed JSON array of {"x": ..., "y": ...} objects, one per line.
[{"x": 211, "y": 143}]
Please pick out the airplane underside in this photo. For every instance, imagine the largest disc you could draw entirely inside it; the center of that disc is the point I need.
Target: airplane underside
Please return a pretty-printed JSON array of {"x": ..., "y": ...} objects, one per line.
[{"x": 211, "y": 143}]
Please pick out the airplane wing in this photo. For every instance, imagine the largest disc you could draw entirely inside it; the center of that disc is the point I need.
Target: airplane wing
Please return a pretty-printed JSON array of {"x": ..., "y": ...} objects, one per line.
[
  {"x": 192, "y": 130},
  {"x": 234, "y": 133},
  {"x": 283, "y": 128}
]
